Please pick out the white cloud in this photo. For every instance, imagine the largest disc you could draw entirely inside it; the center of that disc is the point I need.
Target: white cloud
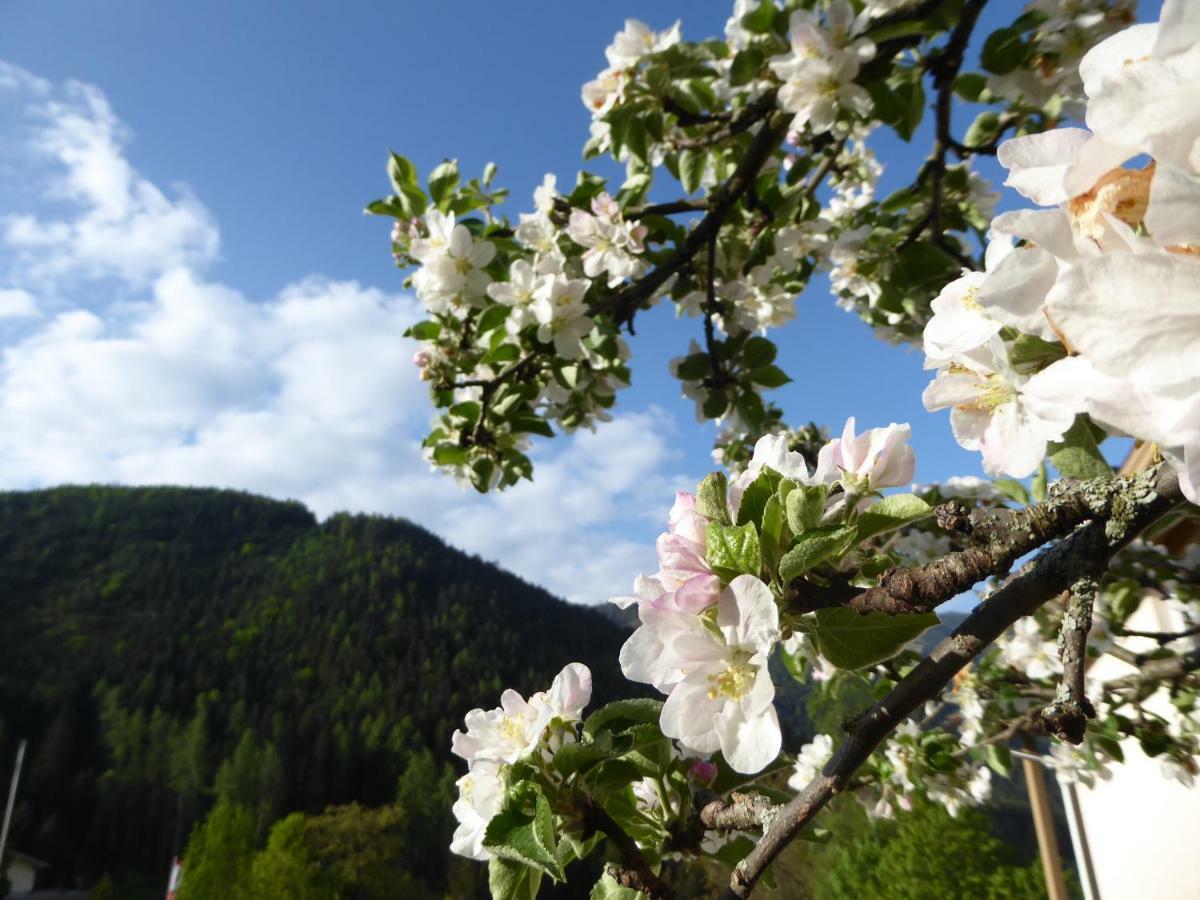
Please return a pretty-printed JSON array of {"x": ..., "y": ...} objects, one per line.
[
  {"x": 166, "y": 377},
  {"x": 119, "y": 224},
  {"x": 17, "y": 304}
]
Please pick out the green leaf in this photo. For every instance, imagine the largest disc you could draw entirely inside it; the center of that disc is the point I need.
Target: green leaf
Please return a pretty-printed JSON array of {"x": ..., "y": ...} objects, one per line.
[
  {"x": 983, "y": 130},
  {"x": 691, "y": 169},
  {"x": 515, "y": 835},
  {"x": 424, "y": 331},
  {"x": 970, "y": 86},
  {"x": 760, "y": 20},
  {"x": 1029, "y": 353},
  {"x": 493, "y": 317},
  {"x": 1012, "y": 489},
  {"x": 758, "y": 352},
  {"x": 805, "y": 504},
  {"x": 711, "y": 498},
  {"x": 621, "y": 715},
  {"x": 769, "y": 376},
  {"x": 853, "y": 641},
  {"x": 508, "y": 880},
  {"x": 733, "y": 550},
  {"x": 745, "y": 66},
  {"x": 1078, "y": 455},
  {"x": 891, "y": 513},
  {"x": 581, "y": 756},
  {"x": 999, "y": 759},
  {"x": 771, "y": 534},
  {"x": 450, "y": 455},
  {"x": 443, "y": 182},
  {"x": 756, "y": 495},
  {"x": 1003, "y": 51},
  {"x": 814, "y": 547},
  {"x": 607, "y": 888},
  {"x": 531, "y": 425},
  {"x": 402, "y": 173},
  {"x": 911, "y": 94},
  {"x": 692, "y": 367}
]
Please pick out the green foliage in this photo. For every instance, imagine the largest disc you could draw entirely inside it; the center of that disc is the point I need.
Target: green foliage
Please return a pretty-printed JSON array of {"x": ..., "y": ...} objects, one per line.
[
  {"x": 853, "y": 641},
  {"x": 219, "y": 855},
  {"x": 922, "y": 854},
  {"x": 324, "y": 667}
]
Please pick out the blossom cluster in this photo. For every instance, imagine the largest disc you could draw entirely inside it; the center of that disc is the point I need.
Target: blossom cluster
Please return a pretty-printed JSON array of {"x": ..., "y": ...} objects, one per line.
[
  {"x": 496, "y": 739},
  {"x": 1097, "y": 309},
  {"x": 707, "y": 631}
]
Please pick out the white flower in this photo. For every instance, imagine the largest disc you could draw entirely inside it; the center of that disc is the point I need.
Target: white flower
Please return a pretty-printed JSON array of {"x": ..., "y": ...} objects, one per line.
[
  {"x": 604, "y": 91},
  {"x": 545, "y": 194},
  {"x": 871, "y": 461},
  {"x": 636, "y": 41},
  {"x": 1074, "y": 766},
  {"x": 810, "y": 760},
  {"x": 920, "y": 547},
  {"x": 612, "y": 245},
  {"x": 451, "y": 274},
  {"x": 725, "y": 700},
  {"x": 505, "y": 734},
  {"x": 562, "y": 315},
  {"x": 771, "y": 451},
  {"x": 1029, "y": 652},
  {"x": 518, "y": 292},
  {"x": 1002, "y": 413},
  {"x": 1143, "y": 87},
  {"x": 570, "y": 692},
  {"x": 818, "y": 76},
  {"x": 480, "y": 796}
]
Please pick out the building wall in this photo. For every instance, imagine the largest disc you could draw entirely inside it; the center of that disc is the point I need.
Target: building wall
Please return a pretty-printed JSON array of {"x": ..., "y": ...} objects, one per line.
[{"x": 1142, "y": 827}]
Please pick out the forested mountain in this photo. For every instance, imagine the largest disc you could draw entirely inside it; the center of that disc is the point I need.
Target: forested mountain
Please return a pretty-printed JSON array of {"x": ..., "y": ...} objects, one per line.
[{"x": 163, "y": 647}]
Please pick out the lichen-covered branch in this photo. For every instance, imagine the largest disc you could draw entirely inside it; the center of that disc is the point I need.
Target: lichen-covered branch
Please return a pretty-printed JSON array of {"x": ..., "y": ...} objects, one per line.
[
  {"x": 740, "y": 812},
  {"x": 1132, "y": 505},
  {"x": 998, "y": 538},
  {"x": 1068, "y": 715}
]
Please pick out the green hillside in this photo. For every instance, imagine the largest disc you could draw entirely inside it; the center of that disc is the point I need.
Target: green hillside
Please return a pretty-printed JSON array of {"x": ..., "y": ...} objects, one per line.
[{"x": 165, "y": 646}]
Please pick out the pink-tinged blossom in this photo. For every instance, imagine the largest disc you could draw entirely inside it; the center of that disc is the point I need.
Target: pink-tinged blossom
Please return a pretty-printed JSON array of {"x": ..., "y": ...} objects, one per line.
[{"x": 871, "y": 461}]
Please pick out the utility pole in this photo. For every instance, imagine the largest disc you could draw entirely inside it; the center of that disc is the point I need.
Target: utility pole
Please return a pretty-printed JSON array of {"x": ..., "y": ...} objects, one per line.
[{"x": 12, "y": 799}]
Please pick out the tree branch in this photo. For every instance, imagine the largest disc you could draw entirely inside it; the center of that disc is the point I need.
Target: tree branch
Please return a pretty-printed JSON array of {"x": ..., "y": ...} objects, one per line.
[
  {"x": 1139, "y": 502},
  {"x": 741, "y": 812},
  {"x": 636, "y": 873},
  {"x": 999, "y": 537},
  {"x": 1068, "y": 715},
  {"x": 623, "y": 305}
]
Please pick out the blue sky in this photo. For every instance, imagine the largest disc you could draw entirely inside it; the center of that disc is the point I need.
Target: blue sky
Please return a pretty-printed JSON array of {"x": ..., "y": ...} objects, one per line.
[{"x": 205, "y": 303}]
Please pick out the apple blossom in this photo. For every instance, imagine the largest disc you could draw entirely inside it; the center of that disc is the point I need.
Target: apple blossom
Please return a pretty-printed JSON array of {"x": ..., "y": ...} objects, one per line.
[
  {"x": 636, "y": 41},
  {"x": 810, "y": 760},
  {"x": 480, "y": 796},
  {"x": 562, "y": 315},
  {"x": 1008, "y": 416},
  {"x": 505, "y": 734},
  {"x": 724, "y": 700},
  {"x": 871, "y": 461}
]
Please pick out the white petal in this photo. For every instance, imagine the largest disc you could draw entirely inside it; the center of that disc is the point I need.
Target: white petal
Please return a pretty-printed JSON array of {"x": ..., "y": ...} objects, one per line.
[
  {"x": 751, "y": 743},
  {"x": 1173, "y": 216},
  {"x": 1133, "y": 316},
  {"x": 1037, "y": 163},
  {"x": 1014, "y": 293},
  {"x": 747, "y": 614}
]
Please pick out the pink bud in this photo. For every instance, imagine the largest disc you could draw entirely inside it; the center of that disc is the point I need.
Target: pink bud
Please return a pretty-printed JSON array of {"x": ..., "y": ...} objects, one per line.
[
  {"x": 421, "y": 359},
  {"x": 703, "y": 771}
]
